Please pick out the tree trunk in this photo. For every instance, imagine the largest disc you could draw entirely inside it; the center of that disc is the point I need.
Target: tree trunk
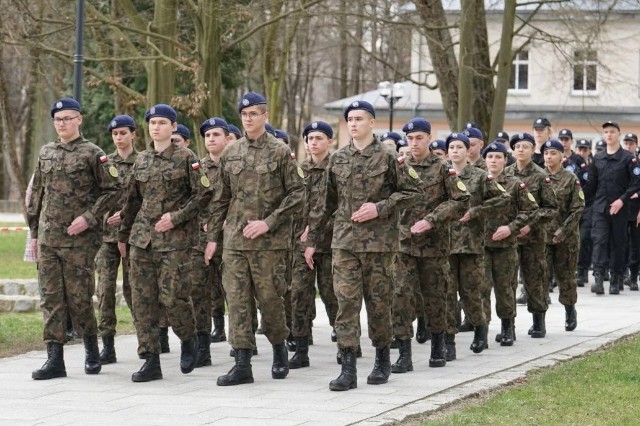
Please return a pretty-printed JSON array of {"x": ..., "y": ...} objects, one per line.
[
  {"x": 466, "y": 75},
  {"x": 483, "y": 92},
  {"x": 162, "y": 73},
  {"x": 504, "y": 68}
]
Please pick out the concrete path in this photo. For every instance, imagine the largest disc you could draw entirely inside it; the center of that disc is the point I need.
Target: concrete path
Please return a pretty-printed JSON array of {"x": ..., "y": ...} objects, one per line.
[{"x": 110, "y": 398}]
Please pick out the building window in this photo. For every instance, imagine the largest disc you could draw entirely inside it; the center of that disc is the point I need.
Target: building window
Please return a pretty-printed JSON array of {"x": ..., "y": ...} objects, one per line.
[
  {"x": 520, "y": 71},
  {"x": 585, "y": 71}
]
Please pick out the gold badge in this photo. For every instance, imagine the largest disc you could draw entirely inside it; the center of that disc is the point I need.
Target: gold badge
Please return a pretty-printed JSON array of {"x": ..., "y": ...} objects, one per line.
[
  {"x": 204, "y": 181},
  {"x": 300, "y": 173},
  {"x": 113, "y": 171},
  {"x": 500, "y": 187},
  {"x": 413, "y": 173},
  {"x": 581, "y": 194},
  {"x": 461, "y": 186},
  {"x": 531, "y": 198}
]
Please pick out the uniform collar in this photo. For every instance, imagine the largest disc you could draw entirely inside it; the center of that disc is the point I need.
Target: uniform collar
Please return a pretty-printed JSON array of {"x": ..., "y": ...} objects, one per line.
[
  {"x": 129, "y": 160},
  {"x": 368, "y": 151},
  {"x": 167, "y": 153},
  {"x": 70, "y": 146},
  {"x": 260, "y": 142}
]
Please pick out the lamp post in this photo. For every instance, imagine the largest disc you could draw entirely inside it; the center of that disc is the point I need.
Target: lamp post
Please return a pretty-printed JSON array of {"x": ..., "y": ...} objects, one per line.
[
  {"x": 78, "y": 58},
  {"x": 391, "y": 92}
]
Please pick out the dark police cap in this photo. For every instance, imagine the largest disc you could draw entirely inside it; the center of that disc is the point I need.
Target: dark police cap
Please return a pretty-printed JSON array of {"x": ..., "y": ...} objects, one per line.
[
  {"x": 610, "y": 124},
  {"x": 541, "y": 123},
  {"x": 438, "y": 144},
  {"x": 64, "y": 104},
  {"x": 281, "y": 134},
  {"x": 161, "y": 110},
  {"x": 234, "y": 130},
  {"x": 583, "y": 143},
  {"x": 269, "y": 128},
  {"x": 495, "y": 146},
  {"x": 473, "y": 132},
  {"x": 390, "y": 135},
  {"x": 502, "y": 136},
  {"x": 565, "y": 133},
  {"x": 183, "y": 131},
  {"x": 552, "y": 144},
  {"x": 402, "y": 142},
  {"x": 122, "y": 121},
  {"x": 600, "y": 145},
  {"x": 518, "y": 137},
  {"x": 318, "y": 126},
  {"x": 631, "y": 137},
  {"x": 363, "y": 105},
  {"x": 457, "y": 137},
  {"x": 213, "y": 123},
  {"x": 417, "y": 124},
  {"x": 251, "y": 99}
]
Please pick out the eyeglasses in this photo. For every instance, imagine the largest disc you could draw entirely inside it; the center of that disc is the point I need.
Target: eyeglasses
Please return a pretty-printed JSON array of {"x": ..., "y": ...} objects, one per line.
[
  {"x": 66, "y": 120},
  {"x": 252, "y": 115}
]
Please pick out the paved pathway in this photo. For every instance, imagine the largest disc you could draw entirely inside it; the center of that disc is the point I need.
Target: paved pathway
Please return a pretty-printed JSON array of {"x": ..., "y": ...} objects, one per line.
[{"x": 303, "y": 398}]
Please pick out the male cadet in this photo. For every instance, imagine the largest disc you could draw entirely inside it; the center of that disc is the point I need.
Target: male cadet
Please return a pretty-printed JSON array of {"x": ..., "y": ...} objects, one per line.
[
  {"x": 422, "y": 265},
  {"x": 572, "y": 162},
  {"x": 390, "y": 140},
  {"x": 181, "y": 136},
  {"x": 73, "y": 187},
  {"x": 123, "y": 132},
  {"x": 319, "y": 137},
  {"x": 364, "y": 185},
  {"x": 162, "y": 199},
  {"x": 614, "y": 183},
  {"x": 260, "y": 187},
  {"x": 402, "y": 146},
  {"x": 503, "y": 138},
  {"x": 476, "y": 144},
  {"x": 630, "y": 143},
  {"x": 542, "y": 132},
  {"x": 583, "y": 148}
]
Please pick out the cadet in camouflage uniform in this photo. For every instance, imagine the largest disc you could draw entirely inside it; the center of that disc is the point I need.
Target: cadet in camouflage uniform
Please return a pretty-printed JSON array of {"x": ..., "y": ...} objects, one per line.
[
  {"x": 163, "y": 198},
  {"x": 500, "y": 250},
  {"x": 476, "y": 145},
  {"x": 364, "y": 185},
  {"x": 73, "y": 186},
  {"x": 123, "y": 132},
  {"x": 260, "y": 189},
  {"x": 466, "y": 259},
  {"x": 531, "y": 239},
  {"x": 422, "y": 265},
  {"x": 562, "y": 231}
]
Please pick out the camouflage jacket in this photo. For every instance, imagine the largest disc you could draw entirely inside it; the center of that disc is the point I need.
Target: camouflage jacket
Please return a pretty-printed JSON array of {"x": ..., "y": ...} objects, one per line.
[
  {"x": 71, "y": 179},
  {"x": 125, "y": 168},
  {"x": 353, "y": 178},
  {"x": 565, "y": 225},
  {"x": 313, "y": 179},
  {"x": 258, "y": 181},
  {"x": 521, "y": 211},
  {"x": 487, "y": 198},
  {"x": 170, "y": 181},
  {"x": 480, "y": 163},
  {"x": 210, "y": 169}
]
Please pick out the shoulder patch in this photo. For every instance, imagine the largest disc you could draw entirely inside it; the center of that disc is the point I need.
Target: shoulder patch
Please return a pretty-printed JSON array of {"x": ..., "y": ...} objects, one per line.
[
  {"x": 500, "y": 187},
  {"x": 531, "y": 197},
  {"x": 401, "y": 159},
  {"x": 636, "y": 171},
  {"x": 581, "y": 194},
  {"x": 300, "y": 172},
  {"x": 489, "y": 177},
  {"x": 104, "y": 159},
  {"x": 453, "y": 172},
  {"x": 195, "y": 166}
]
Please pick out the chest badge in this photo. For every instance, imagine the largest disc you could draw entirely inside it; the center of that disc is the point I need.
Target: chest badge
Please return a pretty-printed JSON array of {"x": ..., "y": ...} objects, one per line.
[
  {"x": 113, "y": 171},
  {"x": 461, "y": 186},
  {"x": 413, "y": 173},
  {"x": 204, "y": 181}
]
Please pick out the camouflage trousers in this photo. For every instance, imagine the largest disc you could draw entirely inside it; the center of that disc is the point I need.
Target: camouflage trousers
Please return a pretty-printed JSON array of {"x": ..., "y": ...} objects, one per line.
[
  {"x": 201, "y": 288},
  {"x": 161, "y": 278},
  {"x": 107, "y": 263},
  {"x": 303, "y": 291},
  {"x": 501, "y": 274},
  {"x": 467, "y": 278},
  {"x": 562, "y": 259},
  {"x": 259, "y": 274},
  {"x": 217, "y": 292},
  {"x": 66, "y": 281},
  {"x": 533, "y": 265},
  {"x": 357, "y": 276}
]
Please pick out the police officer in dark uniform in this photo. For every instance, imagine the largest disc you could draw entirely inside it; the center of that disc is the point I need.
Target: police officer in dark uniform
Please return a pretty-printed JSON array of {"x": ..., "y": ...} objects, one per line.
[
  {"x": 630, "y": 143},
  {"x": 542, "y": 132},
  {"x": 573, "y": 162},
  {"x": 583, "y": 148},
  {"x": 503, "y": 138}
]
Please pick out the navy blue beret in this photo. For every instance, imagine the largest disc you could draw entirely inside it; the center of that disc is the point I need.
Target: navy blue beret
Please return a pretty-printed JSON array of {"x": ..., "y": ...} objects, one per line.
[
  {"x": 458, "y": 137},
  {"x": 473, "y": 132},
  {"x": 234, "y": 130},
  {"x": 122, "y": 121},
  {"x": 183, "y": 131},
  {"x": 281, "y": 134},
  {"x": 521, "y": 137},
  {"x": 541, "y": 123},
  {"x": 495, "y": 146},
  {"x": 363, "y": 105},
  {"x": 390, "y": 135},
  {"x": 269, "y": 128},
  {"x": 318, "y": 126},
  {"x": 565, "y": 133},
  {"x": 438, "y": 144},
  {"x": 417, "y": 124},
  {"x": 161, "y": 110},
  {"x": 213, "y": 123},
  {"x": 64, "y": 104},
  {"x": 251, "y": 99},
  {"x": 552, "y": 144},
  {"x": 503, "y": 136}
]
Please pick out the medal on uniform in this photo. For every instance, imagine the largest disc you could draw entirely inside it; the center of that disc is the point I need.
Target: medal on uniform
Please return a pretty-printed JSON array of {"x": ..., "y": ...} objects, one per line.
[
  {"x": 204, "y": 181},
  {"x": 500, "y": 187},
  {"x": 113, "y": 171},
  {"x": 531, "y": 197},
  {"x": 461, "y": 186},
  {"x": 413, "y": 173},
  {"x": 300, "y": 172}
]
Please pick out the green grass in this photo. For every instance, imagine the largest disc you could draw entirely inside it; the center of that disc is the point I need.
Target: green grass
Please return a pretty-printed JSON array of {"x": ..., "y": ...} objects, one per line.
[
  {"x": 12, "y": 244},
  {"x": 601, "y": 388}
]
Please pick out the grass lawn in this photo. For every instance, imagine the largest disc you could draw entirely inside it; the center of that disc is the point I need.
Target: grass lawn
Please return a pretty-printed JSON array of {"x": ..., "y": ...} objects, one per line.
[{"x": 11, "y": 252}]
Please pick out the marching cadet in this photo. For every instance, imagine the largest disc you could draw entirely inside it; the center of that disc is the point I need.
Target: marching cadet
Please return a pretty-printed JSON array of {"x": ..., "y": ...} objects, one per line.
[
  {"x": 402, "y": 146},
  {"x": 390, "y": 140},
  {"x": 583, "y": 148},
  {"x": 531, "y": 238},
  {"x": 123, "y": 132},
  {"x": 466, "y": 258},
  {"x": 562, "y": 230},
  {"x": 364, "y": 185},
  {"x": 181, "y": 136},
  {"x": 73, "y": 187},
  {"x": 162, "y": 200},
  {"x": 572, "y": 161},
  {"x": 630, "y": 143},
  {"x": 500, "y": 250},
  {"x": 438, "y": 148},
  {"x": 476, "y": 145},
  {"x": 542, "y": 132}
]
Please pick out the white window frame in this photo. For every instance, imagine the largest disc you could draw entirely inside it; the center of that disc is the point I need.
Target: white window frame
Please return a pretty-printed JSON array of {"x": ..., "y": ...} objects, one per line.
[
  {"x": 585, "y": 64},
  {"x": 515, "y": 64}
]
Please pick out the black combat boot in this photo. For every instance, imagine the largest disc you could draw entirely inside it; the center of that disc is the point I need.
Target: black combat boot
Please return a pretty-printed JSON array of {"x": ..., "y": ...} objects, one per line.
[
  {"x": 404, "y": 362},
  {"x": 633, "y": 282},
  {"x": 605, "y": 275},
  {"x": 422, "y": 333},
  {"x": 218, "y": 334},
  {"x": 150, "y": 369},
  {"x": 188, "y": 355},
  {"x": 334, "y": 336},
  {"x": 522, "y": 298},
  {"x": 91, "y": 355},
  {"x": 164, "y": 340},
  {"x": 539, "y": 328},
  {"x": 614, "y": 284},
  {"x": 479, "y": 339},
  {"x": 240, "y": 373},
  {"x": 571, "y": 318},
  {"x": 301, "y": 357},
  {"x": 280, "y": 367},
  {"x": 204, "y": 353},
  {"x": 465, "y": 326},
  {"x": 348, "y": 378},
  {"x": 381, "y": 367},
  {"x": 54, "y": 365},
  {"x": 581, "y": 277},
  {"x": 598, "y": 285},
  {"x": 507, "y": 332},
  {"x": 108, "y": 353},
  {"x": 450, "y": 346},
  {"x": 438, "y": 351}
]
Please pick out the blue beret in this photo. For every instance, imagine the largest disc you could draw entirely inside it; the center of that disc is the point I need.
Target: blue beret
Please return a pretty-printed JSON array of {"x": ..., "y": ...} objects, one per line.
[
  {"x": 318, "y": 126},
  {"x": 251, "y": 99},
  {"x": 473, "y": 132},
  {"x": 402, "y": 142},
  {"x": 552, "y": 144},
  {"x": 417, "y": 124},
  {"x": 63, "y": 104},
  {"x": 281, "y": 134},
  {"x": 438, "y": 144},
  {"x": 503, "y": 136},
  {"x": 234, "y": 130},
  {"x": 364, "y": 105},
  {"x": 521, "y": 137},
  {"x": 390, "y": 135},
  {"x": 565, "y": 133},
  {"x": 213, "y": 123},
  {"x": 458, "y": 137},
  {"x": 269, "y": 128},
  {"x": 121, "y": 121},
  {"x": 161, "y": 110},
  {"x": 183, "y": 131},
  {"x": 495, "y": 146},
  {"x": 541, "y": 123}
]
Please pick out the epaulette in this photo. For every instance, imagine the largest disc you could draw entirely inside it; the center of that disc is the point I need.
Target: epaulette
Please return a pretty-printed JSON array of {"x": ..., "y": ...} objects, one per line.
[
  {"x": 104, "y": 159},
  {"x": 453, "y": 172}
]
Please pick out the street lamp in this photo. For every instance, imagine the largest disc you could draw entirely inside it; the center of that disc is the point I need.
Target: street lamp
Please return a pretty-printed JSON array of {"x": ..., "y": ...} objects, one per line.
[{"x": 391, "y": 92}]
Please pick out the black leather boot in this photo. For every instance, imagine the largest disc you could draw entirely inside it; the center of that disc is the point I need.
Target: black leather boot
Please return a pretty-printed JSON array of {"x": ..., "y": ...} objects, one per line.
[
  {"x": 218, "y": 334},
  {"x": 633, "y": 282},
  {"x": 301, "y": 357},
  {"x": 450, "y": 346},
  {"x": 438, "y": 351},
  {"x": 348, "y": 378},
  {"x": 465, "y": 326},
  {"x": 91, "y": 355},
  {"x": 571, "y": 318},
  {"x": 240, "y": 373},
  {"x": 280, "y": 367},
  {"x": 614, "y": 284},
  {"x": 598, "y": 285},
  {"x": 522, "y": 298},
  {"x": 164, "y": 340},
  {"x": 404, "y": 362},
  {"x": 54, "y": 365},
  {"x": 381, "y": 367},
  {"x": 188, "y": 355},
  {"x": 150, "y": 369},
  {"x": 204, "y": 353},
  {"x": 108, "y": 353},
  {"x": 479, "y": 339},
  {"x": 422, "y": 333},
  {"x": 506, "y": 334},
  {"x": 539, "y": 328}
]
